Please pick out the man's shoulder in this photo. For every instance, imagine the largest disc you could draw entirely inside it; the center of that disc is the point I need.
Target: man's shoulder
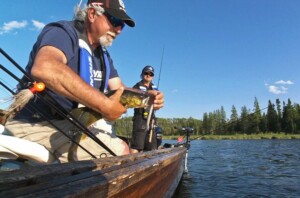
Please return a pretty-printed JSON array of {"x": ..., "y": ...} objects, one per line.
[{"x": 67, "y": 26}]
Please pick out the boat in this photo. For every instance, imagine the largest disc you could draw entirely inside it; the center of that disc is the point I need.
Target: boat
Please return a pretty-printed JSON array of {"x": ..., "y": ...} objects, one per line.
[{"x": 146, "y": 174}]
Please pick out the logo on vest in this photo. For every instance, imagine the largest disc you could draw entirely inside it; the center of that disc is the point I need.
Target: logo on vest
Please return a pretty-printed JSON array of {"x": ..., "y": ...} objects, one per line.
[{"x": 98, "y": 75}]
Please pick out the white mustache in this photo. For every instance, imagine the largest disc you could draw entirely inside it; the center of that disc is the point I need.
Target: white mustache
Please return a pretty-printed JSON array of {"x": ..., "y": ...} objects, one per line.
[{"x": 112, "y": 34}]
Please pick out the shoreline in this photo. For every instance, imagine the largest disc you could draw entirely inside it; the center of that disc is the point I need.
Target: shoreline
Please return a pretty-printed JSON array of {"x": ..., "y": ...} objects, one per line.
[{"x": 259, "y": 136}]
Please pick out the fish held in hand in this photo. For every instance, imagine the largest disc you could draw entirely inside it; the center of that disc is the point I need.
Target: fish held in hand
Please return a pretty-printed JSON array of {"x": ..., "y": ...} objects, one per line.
[{"x": 133, "y": 98}]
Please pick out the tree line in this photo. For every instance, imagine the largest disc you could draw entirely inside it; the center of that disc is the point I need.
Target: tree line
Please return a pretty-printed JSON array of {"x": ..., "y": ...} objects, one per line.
[{"x": 276, "y": 117}]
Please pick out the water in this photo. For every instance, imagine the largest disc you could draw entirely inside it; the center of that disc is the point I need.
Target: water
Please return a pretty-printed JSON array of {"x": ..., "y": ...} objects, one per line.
[{"x": 242, "y": 168}]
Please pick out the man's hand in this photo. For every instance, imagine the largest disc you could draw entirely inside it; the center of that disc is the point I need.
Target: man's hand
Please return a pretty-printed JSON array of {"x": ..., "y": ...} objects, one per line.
[
  {"x": 158, "y": 101},
  {"x": 116, "y": 108}
]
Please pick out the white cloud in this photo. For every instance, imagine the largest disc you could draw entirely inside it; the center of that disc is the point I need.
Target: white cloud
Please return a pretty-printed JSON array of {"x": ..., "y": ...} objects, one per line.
[
  {"x": 12, "y": 25},
  {"x": 277, "y": 90},
  {"x": 282, "y": 82},
  {"x": 37, "y": 24}
]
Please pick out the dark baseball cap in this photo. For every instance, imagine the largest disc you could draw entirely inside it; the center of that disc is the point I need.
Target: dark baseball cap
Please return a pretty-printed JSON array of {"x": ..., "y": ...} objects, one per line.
[
  {"x": 148, "y": 68},
  {"x": 115, "y": 8}
]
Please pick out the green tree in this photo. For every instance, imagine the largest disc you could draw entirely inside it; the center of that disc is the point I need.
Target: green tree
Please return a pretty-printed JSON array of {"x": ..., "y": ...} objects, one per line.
[
  {"x": 271, "y": 118},
  {"x": 244, "y": 124},
  {"x": 233, "y": 123},
  {"x": 279, "y": 114},
  {"x": 206, "y": 126},
  {"x": 263, "y": 123},
  {"x": 255, "y": 117},
  {"x": 288, "y": 117}
]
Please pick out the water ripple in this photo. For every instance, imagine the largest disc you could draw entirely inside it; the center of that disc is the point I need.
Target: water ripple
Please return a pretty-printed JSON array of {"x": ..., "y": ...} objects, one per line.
[{"x": 243, "y": 168}]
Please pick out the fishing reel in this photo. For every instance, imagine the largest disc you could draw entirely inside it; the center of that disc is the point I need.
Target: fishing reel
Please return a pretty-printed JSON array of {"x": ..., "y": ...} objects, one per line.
[{"x": 187, "y": 130}]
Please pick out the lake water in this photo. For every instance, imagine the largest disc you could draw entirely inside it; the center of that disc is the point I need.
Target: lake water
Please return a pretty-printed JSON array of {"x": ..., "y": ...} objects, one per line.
[{"x": 242, "y": 168}]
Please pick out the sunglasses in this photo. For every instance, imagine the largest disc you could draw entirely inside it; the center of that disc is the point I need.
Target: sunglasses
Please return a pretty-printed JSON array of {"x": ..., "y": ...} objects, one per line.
[
  {"x": 148, "y": 74},
  {"x": 114, "y": 21}
]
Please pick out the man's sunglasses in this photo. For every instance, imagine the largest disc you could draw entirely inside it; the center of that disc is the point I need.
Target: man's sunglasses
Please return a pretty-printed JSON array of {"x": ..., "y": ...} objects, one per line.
[
  {"x": 114, "y": 21},
  {"x": 148, "y": 73}
]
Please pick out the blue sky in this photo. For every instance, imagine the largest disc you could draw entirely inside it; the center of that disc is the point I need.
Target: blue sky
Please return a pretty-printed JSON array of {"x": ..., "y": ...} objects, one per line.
[{"x": 216, "y": 52}]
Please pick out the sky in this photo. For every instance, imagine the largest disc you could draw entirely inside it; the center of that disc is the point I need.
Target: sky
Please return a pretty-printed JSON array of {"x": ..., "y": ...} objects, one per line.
[{"x": 209, "y": 53}]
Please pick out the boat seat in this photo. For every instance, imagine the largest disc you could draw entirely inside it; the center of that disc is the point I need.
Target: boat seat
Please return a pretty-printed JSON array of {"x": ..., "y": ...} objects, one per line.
[
  {"x": 15, "y": 147},
  {"x": 7, "y": 154}
]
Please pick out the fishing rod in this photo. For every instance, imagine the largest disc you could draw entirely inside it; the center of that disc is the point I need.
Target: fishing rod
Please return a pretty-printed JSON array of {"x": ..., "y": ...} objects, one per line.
[
  {"x": 54, "y": 104},
  {"x": 48, "y": 120},
  {"x": 150, "y": 121}
]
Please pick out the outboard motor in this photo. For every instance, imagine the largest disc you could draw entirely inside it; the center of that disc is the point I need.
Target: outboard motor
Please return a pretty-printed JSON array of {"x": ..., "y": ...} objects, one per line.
[{"x": 158, "y": 131}]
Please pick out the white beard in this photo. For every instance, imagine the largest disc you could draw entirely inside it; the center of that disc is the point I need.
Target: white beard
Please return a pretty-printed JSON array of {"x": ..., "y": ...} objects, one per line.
[{"x": 105, "y": 41}]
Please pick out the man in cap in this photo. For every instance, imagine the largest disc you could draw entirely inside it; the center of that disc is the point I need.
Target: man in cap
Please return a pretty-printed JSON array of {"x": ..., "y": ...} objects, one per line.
[
  {"x": 70, "y": 57},
  {"x": 143, "y": 139}
]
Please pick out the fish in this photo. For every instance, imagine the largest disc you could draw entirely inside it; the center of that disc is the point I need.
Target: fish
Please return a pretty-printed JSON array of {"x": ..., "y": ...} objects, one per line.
[
  {"x": 130, "y": 98},
  {"x": 133, "y": 98}
]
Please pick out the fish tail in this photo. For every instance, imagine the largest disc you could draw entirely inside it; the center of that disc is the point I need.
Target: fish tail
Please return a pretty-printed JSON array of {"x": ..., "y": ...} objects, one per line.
[{"x": 72, "y": 153}]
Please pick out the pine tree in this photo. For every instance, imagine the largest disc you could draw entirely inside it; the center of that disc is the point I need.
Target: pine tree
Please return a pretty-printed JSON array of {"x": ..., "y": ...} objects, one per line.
[
  {"x": 255, "y": 117},
  {"x": 271, "y": 118},
  {"x": 279, "y": 114},
  {"x": 288, "y": 117},
  {"x": 234, "y": 119},
  {"x": 206, "y": 127},
  {"x": 244, "y": 120}
]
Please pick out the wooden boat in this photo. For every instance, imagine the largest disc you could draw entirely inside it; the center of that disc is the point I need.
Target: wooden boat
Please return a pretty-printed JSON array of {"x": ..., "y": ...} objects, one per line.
[{"x": 147, "y": 174}]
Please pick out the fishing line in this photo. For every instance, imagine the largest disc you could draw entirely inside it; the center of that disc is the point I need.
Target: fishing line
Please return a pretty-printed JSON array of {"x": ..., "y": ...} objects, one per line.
[
  {"x": 160, "y": 68},
  {"x": 54, "y": 104}
]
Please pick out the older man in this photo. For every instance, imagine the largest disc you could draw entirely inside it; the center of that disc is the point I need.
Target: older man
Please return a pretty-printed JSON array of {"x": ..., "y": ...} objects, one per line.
[{"x": 71, "y": 59}]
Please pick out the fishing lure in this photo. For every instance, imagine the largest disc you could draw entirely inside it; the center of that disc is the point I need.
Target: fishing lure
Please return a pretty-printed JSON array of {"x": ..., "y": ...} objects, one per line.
[{"x": 20, "y": 100}]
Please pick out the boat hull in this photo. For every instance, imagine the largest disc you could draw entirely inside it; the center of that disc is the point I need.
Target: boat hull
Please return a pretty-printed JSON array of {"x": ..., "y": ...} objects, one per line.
[{"x": 148, "y": 174}]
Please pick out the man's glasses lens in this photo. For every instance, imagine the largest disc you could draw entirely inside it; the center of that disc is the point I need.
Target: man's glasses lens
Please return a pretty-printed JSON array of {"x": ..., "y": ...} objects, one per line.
[
  {"x": 149, "y": 74},
  {"x": 114, "y": 21}
]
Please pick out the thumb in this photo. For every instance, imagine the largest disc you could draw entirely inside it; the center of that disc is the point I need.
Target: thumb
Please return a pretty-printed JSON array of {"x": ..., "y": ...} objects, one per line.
[{"x": 118, "y": 93}]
